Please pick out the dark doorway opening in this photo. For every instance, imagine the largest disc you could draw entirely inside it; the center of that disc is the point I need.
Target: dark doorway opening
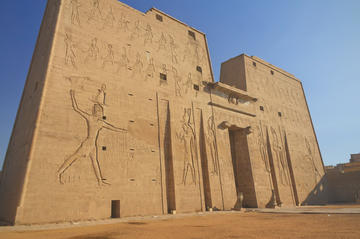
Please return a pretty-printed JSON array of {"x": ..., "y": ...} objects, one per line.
[
  {"x": 244, "y": 181},
  {"x": 115, "y": 209}
]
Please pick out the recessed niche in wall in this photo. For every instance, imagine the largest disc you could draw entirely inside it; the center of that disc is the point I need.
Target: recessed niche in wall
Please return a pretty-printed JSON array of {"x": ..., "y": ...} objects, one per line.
[
  {"x": 196, "y": 87},
  {"x": 115, "y": 208},
  {"x": 163, "y": 77},
  {"x": 159, "y": 17},
  {"x": 104, "y": 117},
  {"x": 261, "y": 108},
  {"x": 199, "y": 69},
  {"x": 192, "y": 34}
]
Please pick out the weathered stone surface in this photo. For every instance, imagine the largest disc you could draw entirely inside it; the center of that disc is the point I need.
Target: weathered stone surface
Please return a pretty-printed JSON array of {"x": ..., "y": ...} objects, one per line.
[
  {"x": 120, "y": 116},
  {"x": 343, "y": 181}
]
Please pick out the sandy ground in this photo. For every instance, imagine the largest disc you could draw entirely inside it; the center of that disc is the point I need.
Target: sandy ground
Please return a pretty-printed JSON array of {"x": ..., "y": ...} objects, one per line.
[{"x": 213, "y": 225}]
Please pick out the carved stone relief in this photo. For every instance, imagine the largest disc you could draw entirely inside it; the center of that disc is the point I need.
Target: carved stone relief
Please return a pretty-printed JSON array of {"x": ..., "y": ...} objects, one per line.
[
  {"x": 188, "y": 83},
  {"x": 70, "y": 52},
  {"x": 186, "y": 135},
  {"x": 93, "y": 52},
  {"x": 123, "y": 63},
  {"x": 109, "y": 58},
  {"x": 211, "y": 142},
  {"x": 310, "y": 157},
  {"x": 123, "y": 23},
  {"x": 279, "y": 149},
  {"x": 162, "y": 42},
  {"x": 150, "y": 70},
  {"x": 138, "y": 65},
  {"x": 148, "y": 35},
  {"x": 136, "y": 33},
  {"x": 95, "y": 12},
  {"x": 173, "y": 48},
  {"x": 177, "y": 81},
  {"x": 75, "y": 17},
  {"x": 88, "y": 148},
  {"x": 109, "y": 19}
]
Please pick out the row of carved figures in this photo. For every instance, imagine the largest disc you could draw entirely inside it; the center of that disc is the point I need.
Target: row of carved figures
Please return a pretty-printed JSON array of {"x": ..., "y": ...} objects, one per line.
[{"x": 95, "y": 122}]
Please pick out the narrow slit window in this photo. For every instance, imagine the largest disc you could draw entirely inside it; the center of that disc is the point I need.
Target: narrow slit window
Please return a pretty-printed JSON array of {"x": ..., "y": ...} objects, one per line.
[
  {"x": 272, "y": 72},
  {"x": 192, "y": 34},
  {"x": 280, "y": 114},
  {"x": 254, "y": 63}
]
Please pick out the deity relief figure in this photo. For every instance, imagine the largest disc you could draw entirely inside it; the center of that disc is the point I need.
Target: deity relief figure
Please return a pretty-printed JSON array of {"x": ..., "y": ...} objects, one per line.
[
  {"x": 124, "y": 61},
  {"x": 88, "y": 148},
  {"x": 148, "y": 35},
  {"x": 70, "y": 56},
  {"x": 262, "y": 148},
  {"x": 123, "y": 23},
  {"x": 92, "y": 52},
  {"x": 109, "y": 19},
  {"x": 173, "y": 50},
  {"x": 310, "y": 157},
  {"x": 150, "y": 70},
  {"x": 187, "y": 137},
  {"x": 280, "y": 155},
  {"x": 136, "y": 32},
  {"x": 211, "y": 142},
  {"x": 110, "y": 56},
  {"x": 138, "y": 66},
  {"x": 75, "y": 18},
  {"x": 193, "y": 51},
  {"x": 100, "y": 97},
  {"x": 162, "y": 42},
  {"x": 95, "y": 13},
  {"x": 188, "y": 83},
  {"x": 177, "y": 81}
]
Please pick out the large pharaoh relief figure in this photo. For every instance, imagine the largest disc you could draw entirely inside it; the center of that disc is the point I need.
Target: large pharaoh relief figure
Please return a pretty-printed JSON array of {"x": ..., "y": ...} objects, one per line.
[
  {"x": 261, "y": 143},
  {"x": 186, "y": 135},
  {"x": 280, "y": 155},
  {"x": 212, "y": 146},
  {"x": 95, "y": 122},
  {"x": 309, "y": 156}
]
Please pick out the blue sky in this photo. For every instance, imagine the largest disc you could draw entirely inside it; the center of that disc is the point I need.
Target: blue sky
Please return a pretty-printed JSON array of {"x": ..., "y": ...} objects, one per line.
[{"x": 317, "y": 41}]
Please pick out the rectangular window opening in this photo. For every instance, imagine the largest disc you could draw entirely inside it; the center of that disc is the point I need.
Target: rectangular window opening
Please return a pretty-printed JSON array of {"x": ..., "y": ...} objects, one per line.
[
  {"x": 159, "y": 17},
  {"x": 196, "y": 87},
  {"x": 199, "y": 69},
  {"x": 192, "y": 34},
  {"x": 272, "y": 72},
  {"x": 115, "y": 208},
  {"x": 261, "y": 108},
  {"x": 104, "y": 148},
  {"x": 163, "y": 77},
  {"x": 254, "y": 63},
  {"x": 279, "y": 113}
]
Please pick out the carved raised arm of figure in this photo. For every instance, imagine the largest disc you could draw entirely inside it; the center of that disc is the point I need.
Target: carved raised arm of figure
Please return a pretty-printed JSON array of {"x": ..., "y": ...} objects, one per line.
[
  {"x": 113, "y": 128},
  {"x": 75, "y": 106}
]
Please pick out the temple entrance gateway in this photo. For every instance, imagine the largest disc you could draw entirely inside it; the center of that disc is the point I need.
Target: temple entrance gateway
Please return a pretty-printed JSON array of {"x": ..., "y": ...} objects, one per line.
[{"x": 243, "y": 177}]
